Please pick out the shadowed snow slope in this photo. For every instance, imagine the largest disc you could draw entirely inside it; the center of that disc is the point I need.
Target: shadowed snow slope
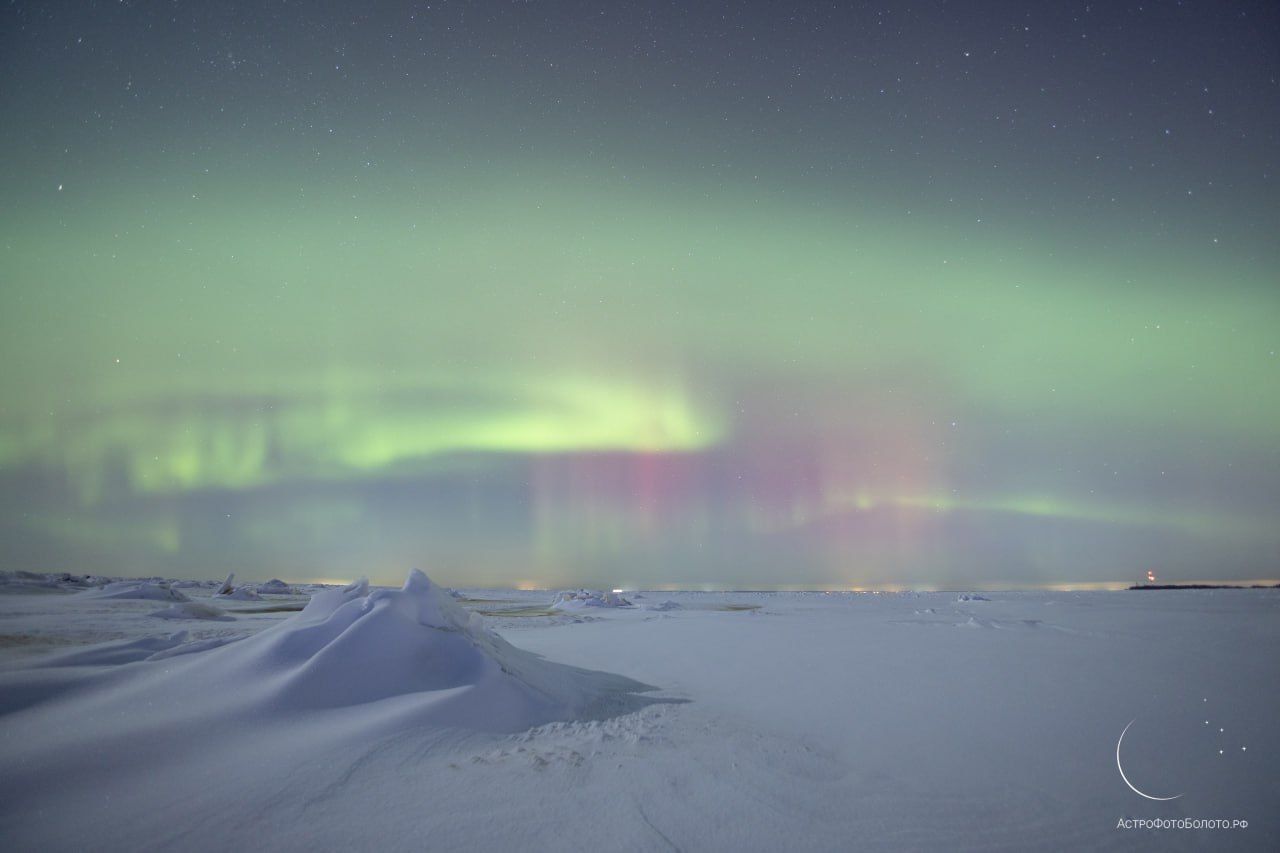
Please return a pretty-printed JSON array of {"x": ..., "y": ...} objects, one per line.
[
  {"x": 352, "y": 646},
  {"x": 161, "y": 718},
  {"x": 414, "y": 652},
  {"x": 390, "y": 720}
]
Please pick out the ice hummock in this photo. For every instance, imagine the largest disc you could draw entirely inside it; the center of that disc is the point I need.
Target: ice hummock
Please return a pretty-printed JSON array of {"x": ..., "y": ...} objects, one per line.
[
  {"x": 389, "y": 657},
  {"x": 235, "y": 593},
  {"x": 354, "y": 645},
  {"x": 240, "y": 593},
  {"x": 148, "y": 590},
  {"x": 577, "y": 599}
]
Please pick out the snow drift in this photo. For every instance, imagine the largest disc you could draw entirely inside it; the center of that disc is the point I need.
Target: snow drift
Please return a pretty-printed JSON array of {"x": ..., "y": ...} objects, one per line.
[
  {"x": 390, "y": 656},
  {"x": 354, "y": 646}
]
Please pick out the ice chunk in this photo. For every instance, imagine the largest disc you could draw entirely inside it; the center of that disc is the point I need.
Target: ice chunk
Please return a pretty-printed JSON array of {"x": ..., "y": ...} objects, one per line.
[
  {"x": 154, "y": 591},
  {"x": 235, "y": 593},
  {"x": 240, "y": 593},
  {"x": 577, "y": 599}
]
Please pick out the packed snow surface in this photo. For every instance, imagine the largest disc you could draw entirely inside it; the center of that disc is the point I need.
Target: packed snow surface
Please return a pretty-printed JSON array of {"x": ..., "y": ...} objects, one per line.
[
  {"x": 193, "y": 610},
  {"x": 661, "y": 605},
  {"x": 400, "y": 719}
]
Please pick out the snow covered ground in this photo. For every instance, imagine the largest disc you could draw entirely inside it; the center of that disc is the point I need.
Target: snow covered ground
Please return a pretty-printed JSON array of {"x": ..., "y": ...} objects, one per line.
[{"x": 412, "y": 719}]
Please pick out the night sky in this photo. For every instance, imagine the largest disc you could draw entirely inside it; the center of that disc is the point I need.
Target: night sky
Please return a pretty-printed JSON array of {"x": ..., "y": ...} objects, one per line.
[{"x": 736, "y": 294}]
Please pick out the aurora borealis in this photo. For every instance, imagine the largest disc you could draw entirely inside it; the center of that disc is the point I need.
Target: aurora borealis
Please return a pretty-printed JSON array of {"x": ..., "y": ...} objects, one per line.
[{"x": 575, "y": 293}]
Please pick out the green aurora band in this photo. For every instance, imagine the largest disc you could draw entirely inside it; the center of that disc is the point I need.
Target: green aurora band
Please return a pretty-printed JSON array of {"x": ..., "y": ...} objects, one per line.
[
  {"x": 232, "y": 341},
  {"x": 556, "y": 327}
]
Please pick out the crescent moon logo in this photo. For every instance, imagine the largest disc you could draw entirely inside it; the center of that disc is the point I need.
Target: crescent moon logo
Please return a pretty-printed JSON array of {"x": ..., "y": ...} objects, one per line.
[{"x": 1126, "y": 778}]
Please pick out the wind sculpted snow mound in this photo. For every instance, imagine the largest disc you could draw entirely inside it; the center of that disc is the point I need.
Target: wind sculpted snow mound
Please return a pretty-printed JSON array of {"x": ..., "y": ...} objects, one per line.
[
  {"x": 109, "y": 654},
  {"x": 352, "y": 646},
  {"x": 384, "y": 657},
  {"x": 208, "y": 727}
]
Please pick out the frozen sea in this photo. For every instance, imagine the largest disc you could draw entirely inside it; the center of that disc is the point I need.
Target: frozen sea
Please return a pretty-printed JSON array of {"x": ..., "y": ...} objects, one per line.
[{"x": 161, "y": 716}]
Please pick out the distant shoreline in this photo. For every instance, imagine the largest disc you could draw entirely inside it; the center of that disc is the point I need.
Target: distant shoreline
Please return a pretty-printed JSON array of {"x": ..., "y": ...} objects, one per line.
[{"x": 1203, "y": 586}]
